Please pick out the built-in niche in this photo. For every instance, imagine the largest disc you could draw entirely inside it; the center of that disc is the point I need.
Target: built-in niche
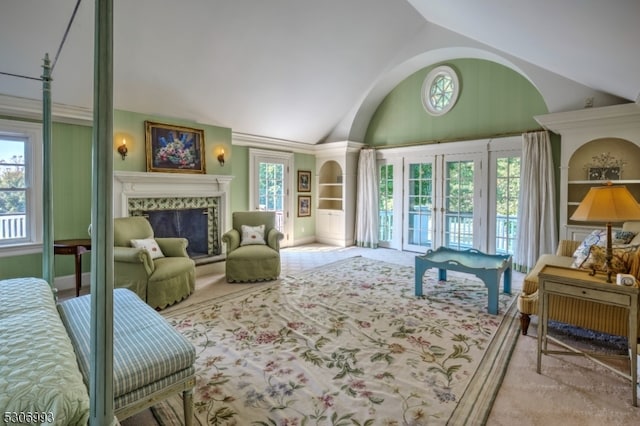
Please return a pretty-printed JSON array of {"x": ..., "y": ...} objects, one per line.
[{"x": 620, "y": 153}]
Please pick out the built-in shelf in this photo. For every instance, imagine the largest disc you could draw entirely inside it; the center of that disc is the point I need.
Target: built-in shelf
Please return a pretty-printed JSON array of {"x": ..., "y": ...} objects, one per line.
[
  {"x": 330, "y": 188},
  {"x": 587, "y": 134}
]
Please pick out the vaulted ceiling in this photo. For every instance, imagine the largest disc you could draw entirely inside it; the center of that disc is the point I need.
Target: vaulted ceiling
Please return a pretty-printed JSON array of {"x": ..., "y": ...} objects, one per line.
[{"x": 310, "y": 71}]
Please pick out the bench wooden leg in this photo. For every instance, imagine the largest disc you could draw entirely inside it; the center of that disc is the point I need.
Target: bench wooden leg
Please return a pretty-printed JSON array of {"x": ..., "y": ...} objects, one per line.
[
  {"x": 525, "y": 319},
  {"x": 187, "y": 402}
]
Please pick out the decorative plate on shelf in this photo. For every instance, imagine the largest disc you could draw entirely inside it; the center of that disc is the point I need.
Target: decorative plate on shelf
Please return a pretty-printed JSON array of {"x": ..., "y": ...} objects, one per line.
[{"x": 604, "y": 173}]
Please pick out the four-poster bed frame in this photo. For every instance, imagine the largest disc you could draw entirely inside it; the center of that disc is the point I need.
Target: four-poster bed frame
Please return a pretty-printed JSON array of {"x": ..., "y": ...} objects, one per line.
[{"x": 101, "y": 351}]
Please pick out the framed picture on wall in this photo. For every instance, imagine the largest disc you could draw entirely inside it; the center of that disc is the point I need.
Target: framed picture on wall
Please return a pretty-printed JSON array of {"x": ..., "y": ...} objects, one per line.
[
  {"x": 304, "y": 205},
  {"x": 174, "y": 148},
  {"x": 304, "y": 181}
]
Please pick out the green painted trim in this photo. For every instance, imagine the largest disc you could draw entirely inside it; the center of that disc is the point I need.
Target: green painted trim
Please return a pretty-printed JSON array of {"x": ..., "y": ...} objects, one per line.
[
  {"x": 47, "y": 176},
  {"x": 101, "y": 345}
]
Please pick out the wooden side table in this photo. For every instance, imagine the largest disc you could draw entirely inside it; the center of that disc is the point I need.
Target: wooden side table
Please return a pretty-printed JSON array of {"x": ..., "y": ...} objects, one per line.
[
  {"x": 578, "y": 284},
  {"x": 76, "y": 247}
]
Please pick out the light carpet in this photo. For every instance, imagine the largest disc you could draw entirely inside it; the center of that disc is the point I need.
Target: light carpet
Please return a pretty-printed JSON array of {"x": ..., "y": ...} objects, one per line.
[{"x": 347, "y": 343}]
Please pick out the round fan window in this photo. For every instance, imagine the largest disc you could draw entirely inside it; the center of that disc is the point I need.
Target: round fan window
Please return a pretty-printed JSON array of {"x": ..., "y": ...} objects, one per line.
[{"x": 440, "y": 90}]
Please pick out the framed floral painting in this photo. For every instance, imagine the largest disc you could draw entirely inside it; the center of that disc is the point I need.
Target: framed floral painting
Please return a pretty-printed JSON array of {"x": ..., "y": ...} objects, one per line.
[{"x": 174, "y": 148}]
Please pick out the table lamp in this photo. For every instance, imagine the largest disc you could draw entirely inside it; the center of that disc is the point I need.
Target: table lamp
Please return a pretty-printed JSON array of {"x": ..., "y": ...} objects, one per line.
[{"x": 608, "y": 203}]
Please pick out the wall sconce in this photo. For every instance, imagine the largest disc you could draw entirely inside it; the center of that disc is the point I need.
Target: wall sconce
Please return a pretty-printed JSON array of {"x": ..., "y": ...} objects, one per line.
[
  {"x": 221, "y": 157},
  {"x": 122, "y": 149}
]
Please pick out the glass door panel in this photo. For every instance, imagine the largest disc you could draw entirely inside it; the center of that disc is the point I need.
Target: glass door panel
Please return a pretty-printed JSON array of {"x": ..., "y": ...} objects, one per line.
[
  {"x": 271, "y": 190},
  {"x": 385, "y": 200},
  {"x": 418, "y": 229},
  {"x": 459, "y": 202},
  {"x": 271, "y": 182},
  {"x": 507, "y": 187}
]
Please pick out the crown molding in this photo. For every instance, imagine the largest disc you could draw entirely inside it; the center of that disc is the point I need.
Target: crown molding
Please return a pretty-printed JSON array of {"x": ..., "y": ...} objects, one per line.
[
  {"x": 244, "y": 139},
  {"x": 609, "y": 116},
  {"x": 32, "y": 109}
]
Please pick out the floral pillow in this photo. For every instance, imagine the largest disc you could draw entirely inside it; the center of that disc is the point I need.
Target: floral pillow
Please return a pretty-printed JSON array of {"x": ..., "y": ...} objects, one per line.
[
  {"x": 150, "y": 245},
  {"x": 620, "y": 263},
  {"x": 252, "y": 235},
  {"x": 599, "y": 238}
]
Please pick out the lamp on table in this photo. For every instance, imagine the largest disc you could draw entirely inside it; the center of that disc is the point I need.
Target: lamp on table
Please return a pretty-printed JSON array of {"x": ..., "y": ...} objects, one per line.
[{"x": 608, "y": 203}]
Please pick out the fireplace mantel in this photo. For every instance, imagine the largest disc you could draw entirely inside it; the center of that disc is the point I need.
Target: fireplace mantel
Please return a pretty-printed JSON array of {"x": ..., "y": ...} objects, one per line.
[{"x": 148, "y": 185}]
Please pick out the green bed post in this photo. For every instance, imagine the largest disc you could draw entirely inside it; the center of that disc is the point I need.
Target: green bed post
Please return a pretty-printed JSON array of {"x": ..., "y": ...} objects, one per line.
[
  {"x": 47, "y": 176},
  {"x": 101, "y": 375}
]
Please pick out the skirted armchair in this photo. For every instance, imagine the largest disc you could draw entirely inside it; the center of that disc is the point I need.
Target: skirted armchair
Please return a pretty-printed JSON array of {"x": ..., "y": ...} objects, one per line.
[
  {"x": 253, "y": 247},
  {"x": 158, "y": 270}
]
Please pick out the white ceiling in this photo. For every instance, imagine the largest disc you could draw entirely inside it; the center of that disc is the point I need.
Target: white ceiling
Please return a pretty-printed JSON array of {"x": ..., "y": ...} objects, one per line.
[{"x": 309, "y": 71}]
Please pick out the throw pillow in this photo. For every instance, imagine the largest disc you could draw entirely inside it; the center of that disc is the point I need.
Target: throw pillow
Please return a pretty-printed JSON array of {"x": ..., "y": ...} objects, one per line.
[
  {"x": 623, "y": 257},
  {"x": 252, "y": 235},
  {"x": 150, "y": 245},
  {"x": 598, "y": 237}
]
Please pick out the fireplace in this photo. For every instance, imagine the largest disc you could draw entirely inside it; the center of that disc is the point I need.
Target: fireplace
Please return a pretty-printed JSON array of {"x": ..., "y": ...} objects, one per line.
[
  {"x": 195, "y": 207},
  {"x": 186, "y": 223}
]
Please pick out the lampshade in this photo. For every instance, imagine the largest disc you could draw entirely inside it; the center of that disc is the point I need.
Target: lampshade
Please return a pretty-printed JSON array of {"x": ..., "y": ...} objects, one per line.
[{"x": 609, "y": 203}]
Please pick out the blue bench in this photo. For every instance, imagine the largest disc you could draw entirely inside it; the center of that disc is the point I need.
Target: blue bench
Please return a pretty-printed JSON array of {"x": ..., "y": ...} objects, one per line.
[
  {"x": 487, "y": 267},
  {"x": 151, "y": 360}
]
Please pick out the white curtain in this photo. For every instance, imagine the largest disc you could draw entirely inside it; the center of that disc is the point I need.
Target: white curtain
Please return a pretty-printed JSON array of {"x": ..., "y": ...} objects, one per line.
[
  {"x": 537, "y": 207},
  {"x": 367, "y": 200}
]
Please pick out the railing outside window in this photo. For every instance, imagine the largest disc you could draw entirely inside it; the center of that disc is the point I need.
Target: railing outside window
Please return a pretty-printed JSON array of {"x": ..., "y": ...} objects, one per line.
[
  {"x": 12, "y": 227},
  {"x": 506, "y": 230}
]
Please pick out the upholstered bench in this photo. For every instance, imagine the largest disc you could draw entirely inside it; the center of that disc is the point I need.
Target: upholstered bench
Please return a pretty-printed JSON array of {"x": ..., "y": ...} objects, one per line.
[{"x": 151, "y": 360}]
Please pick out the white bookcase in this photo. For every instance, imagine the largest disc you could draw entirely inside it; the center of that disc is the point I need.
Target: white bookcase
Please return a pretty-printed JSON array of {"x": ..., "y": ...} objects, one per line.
[{"x": 336, "y": 168}]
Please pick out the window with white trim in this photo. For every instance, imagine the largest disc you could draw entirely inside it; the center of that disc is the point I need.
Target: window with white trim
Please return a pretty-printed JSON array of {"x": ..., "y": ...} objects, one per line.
[{"x": 20, "y": 187}]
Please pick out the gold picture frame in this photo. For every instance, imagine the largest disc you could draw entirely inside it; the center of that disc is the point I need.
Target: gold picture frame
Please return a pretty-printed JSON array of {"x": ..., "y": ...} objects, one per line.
[
  {"x": 304, "y": 181},
  {"x": 304, "y": 205},
  {"x": 174, "y": 149}
]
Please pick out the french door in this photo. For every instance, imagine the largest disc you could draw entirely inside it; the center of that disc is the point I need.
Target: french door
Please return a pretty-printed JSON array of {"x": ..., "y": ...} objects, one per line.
[
  {"x": 419, "y": 204},
  {"x": 440, "y": 193},
  {"x": 271, "y": 185}
]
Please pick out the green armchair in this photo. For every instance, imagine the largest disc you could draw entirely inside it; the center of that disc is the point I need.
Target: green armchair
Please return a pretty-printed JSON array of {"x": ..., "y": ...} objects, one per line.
[
  {"x": 253, "y": 262},
  {"x": 159, "y": 281}
]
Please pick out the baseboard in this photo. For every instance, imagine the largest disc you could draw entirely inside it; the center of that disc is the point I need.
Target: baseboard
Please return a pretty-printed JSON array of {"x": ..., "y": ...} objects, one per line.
[
  {"x": 303, "y": 241},
  {"x": 68, "y": 282}
]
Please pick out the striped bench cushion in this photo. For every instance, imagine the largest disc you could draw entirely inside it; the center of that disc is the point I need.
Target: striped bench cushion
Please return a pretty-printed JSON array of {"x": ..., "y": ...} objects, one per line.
[{"x": 146, "y": 348}]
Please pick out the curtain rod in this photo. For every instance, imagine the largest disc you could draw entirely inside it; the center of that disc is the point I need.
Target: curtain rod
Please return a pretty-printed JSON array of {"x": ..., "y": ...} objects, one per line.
[{"x": 470, "y": 138}]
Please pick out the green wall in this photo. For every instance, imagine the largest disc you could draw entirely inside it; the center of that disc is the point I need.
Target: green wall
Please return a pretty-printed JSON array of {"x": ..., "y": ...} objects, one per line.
[
  {"x": 493, "y": 100},
  {"x": 304, "y": 227},
  {"x": 71, "y": 152},
  {"x": 72, "y": 181},
  {"x": 130, "y": 125},
  {"x": 240, "y": 182}
]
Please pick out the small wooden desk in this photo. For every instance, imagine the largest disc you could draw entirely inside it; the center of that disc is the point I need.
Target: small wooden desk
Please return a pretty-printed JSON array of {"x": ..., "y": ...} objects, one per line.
[
  {"x": 76, "y": 247},
  {"x": 578, "y": 284}
]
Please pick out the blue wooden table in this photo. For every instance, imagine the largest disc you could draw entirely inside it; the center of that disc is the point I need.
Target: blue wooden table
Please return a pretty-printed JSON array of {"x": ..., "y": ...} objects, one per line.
[{"x": 487, "y": 267}]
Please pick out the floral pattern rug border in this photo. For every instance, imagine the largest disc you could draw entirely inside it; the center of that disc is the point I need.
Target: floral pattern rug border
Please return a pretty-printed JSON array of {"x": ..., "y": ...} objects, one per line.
[{"x": 347, "y": 344}]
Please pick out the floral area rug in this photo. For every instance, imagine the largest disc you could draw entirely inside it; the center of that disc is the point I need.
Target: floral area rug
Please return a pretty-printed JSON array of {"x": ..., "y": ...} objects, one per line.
[{"x": 347, "y": 344}]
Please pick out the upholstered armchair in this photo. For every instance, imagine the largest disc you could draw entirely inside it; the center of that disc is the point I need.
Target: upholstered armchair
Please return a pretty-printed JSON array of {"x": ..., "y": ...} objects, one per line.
[
  {"x": 158, "y": 270},
  {"x": 253, "y": 253}
]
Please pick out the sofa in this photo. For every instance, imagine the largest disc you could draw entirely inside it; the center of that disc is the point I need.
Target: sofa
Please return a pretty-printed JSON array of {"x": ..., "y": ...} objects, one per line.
[
  {"x": 45, "y": 356},
  {"x": 581, "y": 313}
]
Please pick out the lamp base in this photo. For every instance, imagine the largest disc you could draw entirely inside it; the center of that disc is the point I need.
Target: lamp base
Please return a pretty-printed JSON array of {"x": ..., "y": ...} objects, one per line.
[{"x": 609, "y": 254}]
